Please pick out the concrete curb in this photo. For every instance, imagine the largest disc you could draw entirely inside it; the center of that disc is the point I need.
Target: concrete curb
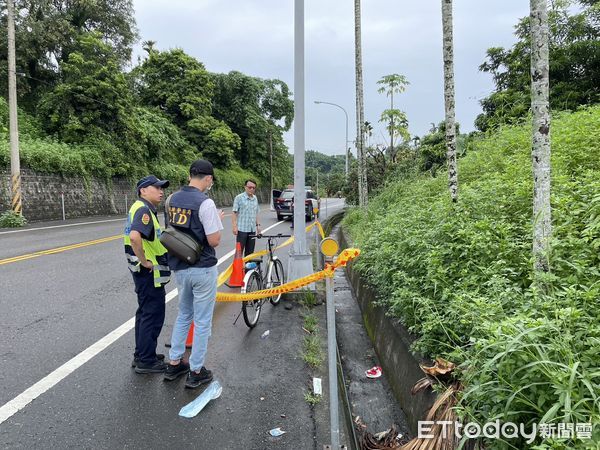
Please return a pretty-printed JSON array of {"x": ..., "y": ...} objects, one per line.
[{"x": 392, "y": 343}]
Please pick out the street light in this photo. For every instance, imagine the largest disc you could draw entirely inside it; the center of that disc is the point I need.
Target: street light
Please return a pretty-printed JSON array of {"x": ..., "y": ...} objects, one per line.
[
  {"x": 318, "y": 102},
  {"x": 300, "y": 261}
]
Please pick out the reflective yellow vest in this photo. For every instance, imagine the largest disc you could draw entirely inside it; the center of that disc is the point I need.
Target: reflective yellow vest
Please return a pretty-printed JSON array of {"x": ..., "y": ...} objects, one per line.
[{"x": 152, "y": 249}]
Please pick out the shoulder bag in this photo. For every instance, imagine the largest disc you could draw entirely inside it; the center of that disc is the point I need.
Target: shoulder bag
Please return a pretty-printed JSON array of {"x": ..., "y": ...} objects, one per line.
[{"x": 179, "y": 244}]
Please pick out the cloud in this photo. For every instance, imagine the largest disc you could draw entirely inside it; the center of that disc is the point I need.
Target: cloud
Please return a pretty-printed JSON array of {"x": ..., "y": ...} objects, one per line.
[{"x": 257, "y": 38}]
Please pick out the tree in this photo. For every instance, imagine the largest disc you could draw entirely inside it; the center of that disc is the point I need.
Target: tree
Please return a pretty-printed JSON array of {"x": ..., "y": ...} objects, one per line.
[
  {"x": 397, "y": 125},
  {"x": 92, "y": 97},
  {"x": 390, "y": 85},
  {"x": 149, "y": 46},
  {"x": 360, "y": 112},
  {"x": 176, "y": 83},
  {"x": 258, "y": 111},
  {"x": 179, "y": 85},
  {"x": 449, "y": 99},
  {"x": 331, "y": 169},
  {"x": 47, "y": 32},
  {"x": 574, "y": 46},
  {"x": 540, "y": 151}
]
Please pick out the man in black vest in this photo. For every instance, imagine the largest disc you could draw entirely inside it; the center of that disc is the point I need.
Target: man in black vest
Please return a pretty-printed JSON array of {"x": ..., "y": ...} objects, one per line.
[{"x": 192, "y": 212}]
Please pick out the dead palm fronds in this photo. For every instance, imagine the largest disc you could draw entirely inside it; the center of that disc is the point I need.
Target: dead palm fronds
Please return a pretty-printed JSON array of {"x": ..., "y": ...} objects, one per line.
[
  {"x": 440, "y": 437},
  {"x": 390, "y": 439},
  {"x": 441, "y": 369},
  {"x": 442, "y": 411}
]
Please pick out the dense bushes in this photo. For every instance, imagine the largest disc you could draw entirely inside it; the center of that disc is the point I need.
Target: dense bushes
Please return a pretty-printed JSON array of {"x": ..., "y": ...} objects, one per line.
[
  {"x": 158, "y": 147},
  {"x": 459, "y": 276},
  {"x": 10, "y": 219},
  {"x": 96, "y": 120}
]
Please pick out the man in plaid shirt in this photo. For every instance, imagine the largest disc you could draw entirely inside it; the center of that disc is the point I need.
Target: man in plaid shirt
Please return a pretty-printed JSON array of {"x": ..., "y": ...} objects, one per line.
[{"x": 245, "y": 217}]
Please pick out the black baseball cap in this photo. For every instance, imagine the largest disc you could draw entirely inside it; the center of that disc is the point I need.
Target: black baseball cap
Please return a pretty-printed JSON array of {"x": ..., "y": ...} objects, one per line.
[
  {"x": 202, "y": 167},
  {"x": 151, "y": 180}
]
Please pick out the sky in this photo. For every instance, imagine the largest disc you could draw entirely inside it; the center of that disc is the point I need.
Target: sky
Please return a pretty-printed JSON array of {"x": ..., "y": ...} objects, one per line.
[{"x": 256, "y": 37}]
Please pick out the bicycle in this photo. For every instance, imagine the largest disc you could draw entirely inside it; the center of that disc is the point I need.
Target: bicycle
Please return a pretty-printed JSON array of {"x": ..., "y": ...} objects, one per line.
[{"x": 256, "y": 280}]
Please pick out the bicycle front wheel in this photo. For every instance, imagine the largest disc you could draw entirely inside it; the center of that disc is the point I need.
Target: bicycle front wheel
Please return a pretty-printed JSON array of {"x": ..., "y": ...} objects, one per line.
[
  {"x": 276, "y": 279},
  {"x": 251, "y": 309}
]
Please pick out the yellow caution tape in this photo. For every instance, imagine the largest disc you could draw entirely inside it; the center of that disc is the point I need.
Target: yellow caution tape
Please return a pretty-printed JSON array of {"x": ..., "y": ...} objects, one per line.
[
  {"x": 342, "y": 260},
  {"x": 224, "y": 276}
]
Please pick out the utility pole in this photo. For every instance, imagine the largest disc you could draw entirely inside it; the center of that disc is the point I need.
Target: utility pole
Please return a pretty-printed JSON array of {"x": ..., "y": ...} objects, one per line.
[
  {"x": 300, "y": 261},
  {"x": 15, "y": 165},
  {"x": 271, "y": 206}
]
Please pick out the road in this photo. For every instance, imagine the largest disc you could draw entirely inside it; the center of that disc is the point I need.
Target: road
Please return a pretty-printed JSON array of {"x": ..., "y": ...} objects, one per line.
[{"x": 67, "y": 290}]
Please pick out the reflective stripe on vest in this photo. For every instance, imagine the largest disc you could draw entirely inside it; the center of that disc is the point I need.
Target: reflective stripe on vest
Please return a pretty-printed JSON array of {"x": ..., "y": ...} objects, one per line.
[{"x": 152, "y": 249}]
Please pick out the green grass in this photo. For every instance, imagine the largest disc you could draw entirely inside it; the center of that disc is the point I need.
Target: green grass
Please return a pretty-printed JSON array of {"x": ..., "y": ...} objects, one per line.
[
  {"x": 311, "y": 322},
  {"x": 309, "y": 299},
  {"x": 459, "y": 276},
  {"x": 312, "y": 399},
  {"x": 311, "y": 351}
]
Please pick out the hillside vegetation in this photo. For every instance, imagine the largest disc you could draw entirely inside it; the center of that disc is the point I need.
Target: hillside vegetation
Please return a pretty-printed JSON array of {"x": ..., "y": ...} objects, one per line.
[
  {"x": 86, "y": 109},
  {"x": 459, "y": 276}
]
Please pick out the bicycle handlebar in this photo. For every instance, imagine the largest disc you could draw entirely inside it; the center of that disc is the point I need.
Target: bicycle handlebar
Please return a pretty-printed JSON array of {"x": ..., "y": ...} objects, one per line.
[{"x": 273, "y": 236}]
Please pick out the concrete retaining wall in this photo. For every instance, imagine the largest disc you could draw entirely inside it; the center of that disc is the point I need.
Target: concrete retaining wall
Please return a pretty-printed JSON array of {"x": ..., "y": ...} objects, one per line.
[
  {"x": 392, "y": 343},
  {"x": 41, "y": 195}
]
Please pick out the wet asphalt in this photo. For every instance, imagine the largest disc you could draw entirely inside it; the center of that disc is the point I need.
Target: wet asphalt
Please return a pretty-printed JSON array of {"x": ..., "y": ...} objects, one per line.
[{"x": 54, "y": 306}]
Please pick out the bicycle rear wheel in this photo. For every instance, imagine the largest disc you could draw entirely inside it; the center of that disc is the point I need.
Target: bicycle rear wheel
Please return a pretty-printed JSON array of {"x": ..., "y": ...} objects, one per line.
[
  {"x": 276, "y": 279},
  {"x": 251, "y": 309}
]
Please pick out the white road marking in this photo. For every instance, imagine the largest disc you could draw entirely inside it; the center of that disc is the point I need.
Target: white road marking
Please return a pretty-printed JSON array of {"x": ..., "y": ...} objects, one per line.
[
  {"x": 63, "y": 226},
  {"x": 20, "y": 401},
  {"x": 80, "y": 223}
]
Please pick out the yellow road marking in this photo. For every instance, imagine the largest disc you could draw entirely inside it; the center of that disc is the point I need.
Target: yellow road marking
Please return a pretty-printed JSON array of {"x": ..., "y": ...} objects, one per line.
[{"x": 59, "y": 249}]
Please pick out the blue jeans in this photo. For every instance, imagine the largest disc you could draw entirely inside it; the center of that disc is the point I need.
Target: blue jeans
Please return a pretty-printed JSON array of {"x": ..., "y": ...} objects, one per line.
[{"x": 197, "y": 295}]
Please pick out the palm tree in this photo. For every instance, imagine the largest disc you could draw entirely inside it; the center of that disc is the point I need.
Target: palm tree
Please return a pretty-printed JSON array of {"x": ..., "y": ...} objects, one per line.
[
  {"x": 148, "y": 46},
  {"x": 360, "y": 114},
  {"x": 449, "y": 99},
  {"x": 540, "y": 147}
]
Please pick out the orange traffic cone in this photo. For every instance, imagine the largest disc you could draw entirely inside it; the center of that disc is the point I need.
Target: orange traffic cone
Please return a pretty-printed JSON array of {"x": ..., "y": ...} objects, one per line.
[
  {"x": 237, "y": 276},
  {"x": 190, "y": 337}
]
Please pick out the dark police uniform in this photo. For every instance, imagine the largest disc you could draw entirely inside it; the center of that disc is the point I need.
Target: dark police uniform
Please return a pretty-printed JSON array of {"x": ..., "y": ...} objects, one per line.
[{"x": 149, "y": 285}]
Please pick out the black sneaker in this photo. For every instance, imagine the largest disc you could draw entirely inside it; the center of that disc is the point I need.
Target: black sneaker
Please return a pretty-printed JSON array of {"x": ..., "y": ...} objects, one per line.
[
  {"x": 136, "y": 360},
  {"x": 157, "y": 367},
  {"x": 195, "y": 379},
  {"x": 173, "y": 372}
]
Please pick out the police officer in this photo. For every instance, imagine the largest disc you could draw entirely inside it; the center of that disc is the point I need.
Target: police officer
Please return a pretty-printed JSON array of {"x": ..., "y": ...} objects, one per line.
[
  {"x": 192, "y": 212},
  {"x": 147, "y": 261}
]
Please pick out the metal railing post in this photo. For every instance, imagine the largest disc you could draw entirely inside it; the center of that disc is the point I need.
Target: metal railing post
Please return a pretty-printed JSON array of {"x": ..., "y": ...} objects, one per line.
[
  {"x": 62, "y": 202},
  {"x": 332, "y": 362}
]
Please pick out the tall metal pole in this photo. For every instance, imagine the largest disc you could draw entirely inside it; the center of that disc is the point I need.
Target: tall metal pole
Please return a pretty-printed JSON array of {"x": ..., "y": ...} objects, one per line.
[
  {"x": 346, "y": 148},
  {"x": 332, "y": 362},
  {"x": 15, "y": 164},
  {"x": 300, "y": 261}
]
